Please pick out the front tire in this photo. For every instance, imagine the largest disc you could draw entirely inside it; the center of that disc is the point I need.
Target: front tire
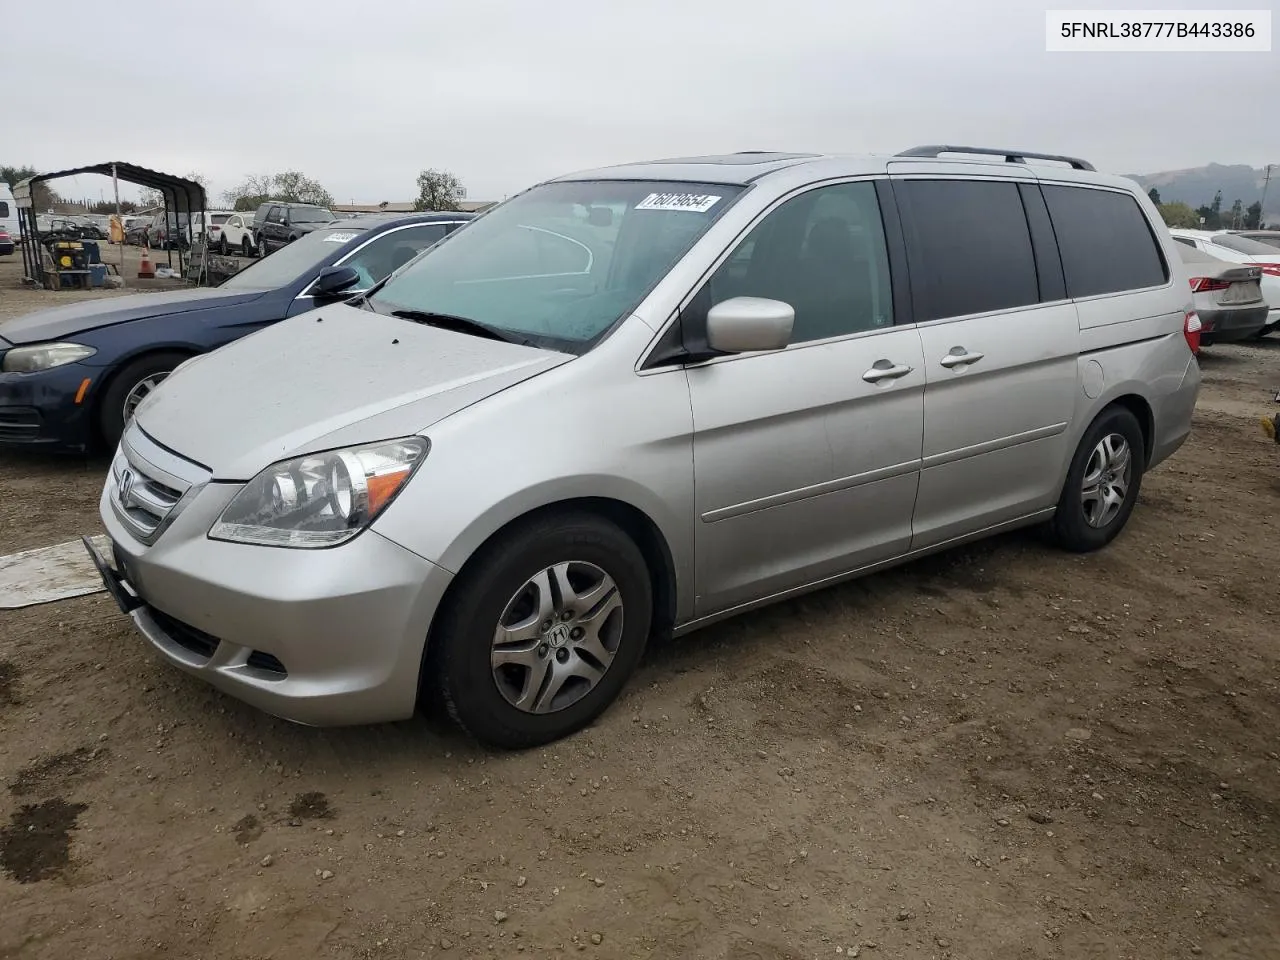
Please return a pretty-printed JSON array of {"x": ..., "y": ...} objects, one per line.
[
  {"x": 262, "y": 247},
  {"x": 246, "y": 248},
  {"x": 1102, "y": 483},
  {"x": 128, "y": 388},
  {"x": 542, "y": 630}
]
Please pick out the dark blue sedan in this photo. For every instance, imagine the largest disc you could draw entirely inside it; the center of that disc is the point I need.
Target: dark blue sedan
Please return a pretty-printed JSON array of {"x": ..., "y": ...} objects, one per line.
[{"x": 70, "y": 377}]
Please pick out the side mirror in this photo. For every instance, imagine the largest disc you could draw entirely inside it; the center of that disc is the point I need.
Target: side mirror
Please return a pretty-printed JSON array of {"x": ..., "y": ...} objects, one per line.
[
  {"x": 749, "y": 324},
  {"x": 333, "y": 280}
]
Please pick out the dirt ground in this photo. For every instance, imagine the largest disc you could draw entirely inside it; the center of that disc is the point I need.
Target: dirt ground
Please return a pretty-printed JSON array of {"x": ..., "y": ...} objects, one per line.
[{"x": 1002, "y": 752}]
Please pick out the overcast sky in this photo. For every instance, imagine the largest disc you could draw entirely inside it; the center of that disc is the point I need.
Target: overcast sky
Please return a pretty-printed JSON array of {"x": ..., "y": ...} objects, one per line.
[{"x": 363, "y": 95}]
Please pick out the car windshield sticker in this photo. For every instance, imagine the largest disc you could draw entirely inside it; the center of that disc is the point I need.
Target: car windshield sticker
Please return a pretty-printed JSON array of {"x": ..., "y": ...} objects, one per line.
[
  {"x": 695, "y": 202},
  {"x": 340, "y": 236}
]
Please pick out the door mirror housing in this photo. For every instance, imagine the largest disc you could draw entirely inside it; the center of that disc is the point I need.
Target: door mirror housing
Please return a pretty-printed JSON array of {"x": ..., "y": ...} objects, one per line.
[
  {"x": 334, "y": 280},
  {"x": 749, "y": 325}
]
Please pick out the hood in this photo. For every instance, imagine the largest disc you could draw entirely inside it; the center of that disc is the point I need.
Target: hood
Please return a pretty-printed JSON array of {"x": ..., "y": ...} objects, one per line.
[
  {"x": 62, "y": 322},
  {"x": 333, "y": 377}
]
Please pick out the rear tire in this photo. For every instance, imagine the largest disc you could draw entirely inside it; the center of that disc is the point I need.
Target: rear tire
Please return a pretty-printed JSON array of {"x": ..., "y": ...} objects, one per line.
[
  {"x": 246, "y": 248},
  {"x": 223, "y": 247},
  {"x": 567, "y": 673},
  {"x": 129, "y": 385},
  {"x": 1107, "y": 465}
]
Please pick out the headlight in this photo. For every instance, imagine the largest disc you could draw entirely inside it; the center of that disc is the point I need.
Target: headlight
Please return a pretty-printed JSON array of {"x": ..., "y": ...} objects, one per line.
[
  {"x": 320, "y": 500},
  {"x": 42, "y": 356}
]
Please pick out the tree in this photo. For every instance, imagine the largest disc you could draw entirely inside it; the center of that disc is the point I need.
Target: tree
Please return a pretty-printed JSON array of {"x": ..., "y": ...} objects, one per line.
[
  {"x": 109, "y": 206},
  {"x": 250, "y": 192},
  {"x": 1180, "y": 215},
  {"x": 439, "y": 190},
  {"x": 1253, "y": 216},
  {"x": 43, "y": 197},
  {"x": 1154, "y": 194},
  {"x": 149, "y": 197},
  {"x": 294, "y": 187},
  {"x": 1212, "y": 213},
  {"x": 290, "y": 186}
]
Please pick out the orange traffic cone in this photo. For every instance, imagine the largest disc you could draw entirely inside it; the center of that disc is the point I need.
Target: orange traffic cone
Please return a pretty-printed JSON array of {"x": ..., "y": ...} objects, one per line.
[{"x": 145, "y": 269}]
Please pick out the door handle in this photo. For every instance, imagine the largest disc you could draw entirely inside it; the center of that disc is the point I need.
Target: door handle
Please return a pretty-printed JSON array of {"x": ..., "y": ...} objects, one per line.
[
  {"x": 885, "y": 370},
  {"x": 959, "y": 357}
]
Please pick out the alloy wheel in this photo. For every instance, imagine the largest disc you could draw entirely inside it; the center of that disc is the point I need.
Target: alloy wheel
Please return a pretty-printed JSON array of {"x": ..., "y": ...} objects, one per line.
[
  {"x": 557, "y": 637},
  {"x": 1106, "y": 481},
  {"x": 139, "y": 393}
]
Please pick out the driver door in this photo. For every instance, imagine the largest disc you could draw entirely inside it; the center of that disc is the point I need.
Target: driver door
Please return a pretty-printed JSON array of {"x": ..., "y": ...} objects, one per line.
[{"x": 807, "y": 459}]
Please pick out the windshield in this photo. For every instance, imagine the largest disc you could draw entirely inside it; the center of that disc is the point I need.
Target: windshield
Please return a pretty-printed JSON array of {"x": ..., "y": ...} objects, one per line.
[
  {"x": 310, "y": 215},
  {"x": 290, "y": 261},
  {"x": 562, "y": 263},
  {"x": 1243, "y": 245}
]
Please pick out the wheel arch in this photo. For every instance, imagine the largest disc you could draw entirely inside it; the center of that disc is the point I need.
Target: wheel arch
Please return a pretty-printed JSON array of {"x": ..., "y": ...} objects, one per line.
[
  {"x": 1141, "y": 409},
  {"x": 186, "y": 350},
  {"x": 633, "y": 521}
]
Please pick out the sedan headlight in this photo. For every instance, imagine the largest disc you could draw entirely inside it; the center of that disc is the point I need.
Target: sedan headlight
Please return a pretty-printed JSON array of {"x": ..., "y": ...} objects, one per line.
[
  {"x": 42, "y": 356},
  {"x": 320, "y": 500}
]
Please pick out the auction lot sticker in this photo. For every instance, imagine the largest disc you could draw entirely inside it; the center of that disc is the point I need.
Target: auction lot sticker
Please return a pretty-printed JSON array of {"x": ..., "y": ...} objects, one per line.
[{"x": 695, "y": 202}]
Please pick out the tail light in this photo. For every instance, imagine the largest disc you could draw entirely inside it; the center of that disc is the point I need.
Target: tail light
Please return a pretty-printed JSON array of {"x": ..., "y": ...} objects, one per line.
[
  {"x": 1205, "y": 284},
  {"x": 1191, "y": 330},
  {"x": 1270, "y": 269}
]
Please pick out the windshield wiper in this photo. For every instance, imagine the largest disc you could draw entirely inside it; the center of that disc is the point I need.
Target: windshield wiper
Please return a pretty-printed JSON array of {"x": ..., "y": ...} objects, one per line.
[{"x": 446, "y": 321}]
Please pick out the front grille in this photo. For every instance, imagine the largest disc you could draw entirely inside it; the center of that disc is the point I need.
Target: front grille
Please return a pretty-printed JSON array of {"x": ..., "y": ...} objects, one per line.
[
  {"x": 145, "y": 502},
  {"x": 19, "y": 423},
  {"x": 185, "y": 635},
  {"x": 148, "y": 484}
]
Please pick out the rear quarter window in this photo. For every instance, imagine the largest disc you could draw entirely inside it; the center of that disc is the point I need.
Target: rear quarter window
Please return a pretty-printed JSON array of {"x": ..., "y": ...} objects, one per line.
[{"x": 1106, "y": 243}]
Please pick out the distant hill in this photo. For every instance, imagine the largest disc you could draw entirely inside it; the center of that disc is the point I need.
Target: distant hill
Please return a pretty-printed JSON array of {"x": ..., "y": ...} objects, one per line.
[{"x": 1197, "y": 186}]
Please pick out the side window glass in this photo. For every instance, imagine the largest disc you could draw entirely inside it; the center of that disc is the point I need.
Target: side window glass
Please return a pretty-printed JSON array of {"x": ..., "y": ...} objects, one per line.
[
  {"x": 822, "y": 252},
  {"x": 391, "y": 251},
  {"x": 273, "y": 215},
  {"x": 968, "y": 247},
  {"x": 1106, "y": 242},
  {"x": 4, "y": 209}
]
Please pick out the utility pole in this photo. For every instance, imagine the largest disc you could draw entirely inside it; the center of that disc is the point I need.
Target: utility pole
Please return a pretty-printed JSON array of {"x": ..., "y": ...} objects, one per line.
[{"x": 1266, "y": 180}]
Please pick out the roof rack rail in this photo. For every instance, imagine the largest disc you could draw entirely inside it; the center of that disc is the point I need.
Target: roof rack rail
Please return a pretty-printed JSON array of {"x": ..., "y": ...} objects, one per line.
[{"x": 1010, "y": 156}]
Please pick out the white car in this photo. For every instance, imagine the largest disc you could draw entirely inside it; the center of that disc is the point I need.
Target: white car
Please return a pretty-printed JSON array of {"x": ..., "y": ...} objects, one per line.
[
  {"x": 1234, "y": 248},
  {"x": 214, "y": 218},
  {"x": 235, "y": 234}
]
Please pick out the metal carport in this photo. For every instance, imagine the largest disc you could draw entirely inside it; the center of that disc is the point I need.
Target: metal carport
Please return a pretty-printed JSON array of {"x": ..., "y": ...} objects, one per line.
[{"x": 180, "y": 196}]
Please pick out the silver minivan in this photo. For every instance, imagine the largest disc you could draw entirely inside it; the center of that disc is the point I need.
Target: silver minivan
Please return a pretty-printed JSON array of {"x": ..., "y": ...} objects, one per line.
[{"x": 639, "y": 400}]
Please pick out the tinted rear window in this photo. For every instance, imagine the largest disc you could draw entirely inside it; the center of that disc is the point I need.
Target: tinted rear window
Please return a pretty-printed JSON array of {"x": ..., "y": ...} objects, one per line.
[
  {"x": 4, "y": 209},
  {"x": 968, "y": 247},
  {"x": 1105, "y": 241},
  {"x": 1252, "y": 248}
]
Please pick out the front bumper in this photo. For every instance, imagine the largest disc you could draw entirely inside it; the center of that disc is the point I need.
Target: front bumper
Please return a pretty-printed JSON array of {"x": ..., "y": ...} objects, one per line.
[
  {"x": 39, "y": 410},
  {"x": 1230, "y": 325},
  {"x": 320, "y": 637}
]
